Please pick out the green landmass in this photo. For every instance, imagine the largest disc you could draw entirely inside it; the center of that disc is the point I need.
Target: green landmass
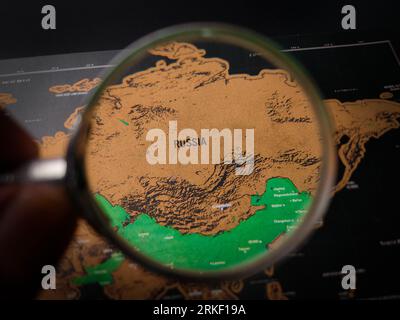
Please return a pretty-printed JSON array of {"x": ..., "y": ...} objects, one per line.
[
  {"x": 282, "y": 206},
  {"x": 101, "y": 273},
  {"x": 124, "y": 122}
]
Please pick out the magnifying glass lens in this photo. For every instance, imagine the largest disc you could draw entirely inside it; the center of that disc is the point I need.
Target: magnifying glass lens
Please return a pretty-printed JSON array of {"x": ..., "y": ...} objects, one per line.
[{"x": 206, "y": 153}]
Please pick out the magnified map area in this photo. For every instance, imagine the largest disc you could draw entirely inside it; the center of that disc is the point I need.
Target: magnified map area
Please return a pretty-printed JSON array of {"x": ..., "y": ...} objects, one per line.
[{"x": 192, "y": 213}]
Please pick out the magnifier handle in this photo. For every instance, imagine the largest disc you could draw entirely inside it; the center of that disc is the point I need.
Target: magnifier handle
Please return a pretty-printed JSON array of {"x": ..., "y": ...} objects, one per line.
[{"x": 37, "y": 171}]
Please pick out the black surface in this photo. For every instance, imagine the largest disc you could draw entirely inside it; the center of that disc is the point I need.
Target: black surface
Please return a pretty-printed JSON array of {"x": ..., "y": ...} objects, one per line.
[{"x": 106, "y": 25}]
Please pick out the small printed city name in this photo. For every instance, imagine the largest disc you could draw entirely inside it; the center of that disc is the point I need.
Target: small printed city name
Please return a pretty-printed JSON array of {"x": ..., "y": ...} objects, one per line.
[{"x": 188, "y": 147}]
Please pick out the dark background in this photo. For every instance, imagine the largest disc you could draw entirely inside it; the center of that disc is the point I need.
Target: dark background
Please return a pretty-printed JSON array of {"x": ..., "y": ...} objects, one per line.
[{"x": 113, "y": 24}]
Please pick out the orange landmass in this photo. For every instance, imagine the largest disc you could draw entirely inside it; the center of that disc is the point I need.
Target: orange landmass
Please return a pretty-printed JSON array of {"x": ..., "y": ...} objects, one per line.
[
  {"x": 84, "y": 85},
  {"x": 6, "y": 99},
  {"x": 360, "y": 121},
  {"x": 74, "y": 119}
]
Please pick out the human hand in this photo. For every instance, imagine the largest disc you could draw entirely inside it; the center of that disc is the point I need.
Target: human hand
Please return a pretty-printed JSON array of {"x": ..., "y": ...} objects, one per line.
[{"x": 36, "y": 220}]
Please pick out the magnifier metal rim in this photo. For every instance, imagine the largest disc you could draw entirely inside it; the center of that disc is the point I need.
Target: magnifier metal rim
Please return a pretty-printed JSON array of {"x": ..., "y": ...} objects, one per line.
[{"x": 78, "y": 184}]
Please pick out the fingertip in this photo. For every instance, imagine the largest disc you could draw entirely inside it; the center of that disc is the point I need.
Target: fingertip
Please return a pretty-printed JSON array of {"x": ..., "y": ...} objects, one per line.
[
  {"x": 35, "y": 230},
  {"x": 17, "y": 145}
]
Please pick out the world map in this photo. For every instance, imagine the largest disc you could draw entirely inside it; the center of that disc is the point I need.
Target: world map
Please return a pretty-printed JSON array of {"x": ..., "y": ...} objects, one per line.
[{"x": 89, "y": 258}]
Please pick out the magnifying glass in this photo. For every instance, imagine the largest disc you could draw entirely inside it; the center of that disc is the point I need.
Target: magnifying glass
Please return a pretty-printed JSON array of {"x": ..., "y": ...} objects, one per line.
[{"x": 205, "y": 153}]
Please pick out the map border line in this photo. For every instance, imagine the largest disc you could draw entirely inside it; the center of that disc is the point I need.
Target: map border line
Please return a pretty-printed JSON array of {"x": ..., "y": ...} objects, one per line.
[{"x": 357, "y": 44}]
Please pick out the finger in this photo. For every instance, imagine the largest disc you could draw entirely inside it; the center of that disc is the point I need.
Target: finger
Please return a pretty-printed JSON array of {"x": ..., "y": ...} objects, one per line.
[
  {"x": 16, "y": 144},
  {"x": 7, "y": 194},
  {"x": 34, "y": 232},
  {"x": 17, "y": 147}
]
